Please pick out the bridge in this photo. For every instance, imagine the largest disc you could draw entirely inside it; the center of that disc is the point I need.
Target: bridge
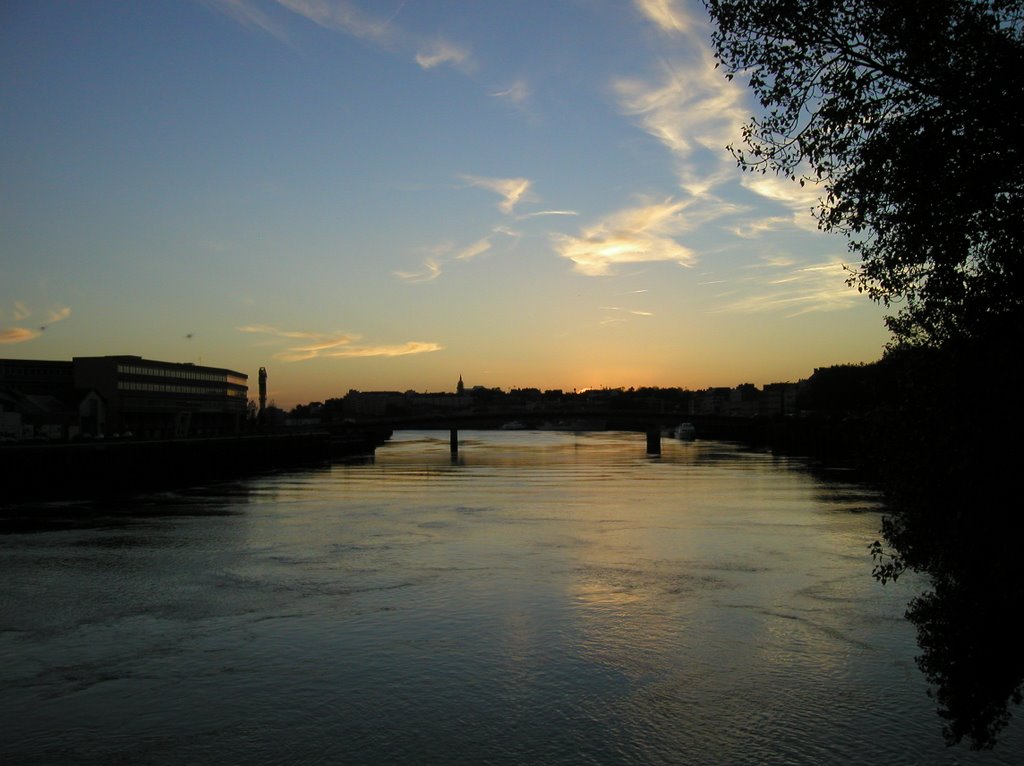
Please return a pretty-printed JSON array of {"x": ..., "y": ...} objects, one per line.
[{"x": 648, "y": 422}]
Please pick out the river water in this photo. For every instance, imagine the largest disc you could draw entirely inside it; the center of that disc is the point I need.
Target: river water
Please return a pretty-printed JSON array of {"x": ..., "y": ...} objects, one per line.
[{"x": 546, "y": 598}]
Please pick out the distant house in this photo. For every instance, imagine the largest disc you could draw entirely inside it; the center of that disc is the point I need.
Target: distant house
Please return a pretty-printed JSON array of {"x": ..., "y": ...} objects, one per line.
[
  {"x": 711, "y": 401},
  {"x": 743, "y": 401},
  {"x": 437, "y": 402},
  {"x": 778, "y": 399},
  {"x": 374, "y": 404}
]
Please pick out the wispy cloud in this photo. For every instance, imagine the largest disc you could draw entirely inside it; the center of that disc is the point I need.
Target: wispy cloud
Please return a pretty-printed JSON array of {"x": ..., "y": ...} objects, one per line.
[
  {"x": 692, "y": 107},
  {"x": 508, "y": 232},
  {"x": 344, "y": 16},
  {"x": 797, "y": 290},
  {"x": 334, "y": 345},
  {"x": 621, "y": 314},
  {"x": 266, "y": 329},
  {"x": 801, "y": 200},
  {"x": 512, "y": 190},
  {"x": 517, "y": 93},
  {"x": 774, "y": 262},
  {"x": 550, "y": 212},
  {"x": 58, "y": 315},
  {"x": 348, "y": 17},
  {"x": 22, "y": 311},
  {"x": 17, "y": 334},
  {"x": 477, "y": 248},
  {"x": 634, "y": 312},
  {"x": 689, "y": 107},
  {"x": 248, "y": 14},
  {"x": 754, "y": 229},
  {"x": 667, "y": 15},
  {"x": 635, "y": 235},
  {"x": 431, "y": 271},
  {"x": 402, "y": 349},
  {"x": 695, "y": 112},
  {"x": 442, "y": 52},
  {"x": 432, "y": 265}
]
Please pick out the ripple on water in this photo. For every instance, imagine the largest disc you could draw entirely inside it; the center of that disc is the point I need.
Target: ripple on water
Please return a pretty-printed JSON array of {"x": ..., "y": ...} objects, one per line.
[{"x": 543, "y": 598}]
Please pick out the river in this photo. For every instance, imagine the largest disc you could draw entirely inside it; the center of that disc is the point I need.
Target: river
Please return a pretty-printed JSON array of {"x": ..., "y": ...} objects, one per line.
[{"x": 547, "y": 597}]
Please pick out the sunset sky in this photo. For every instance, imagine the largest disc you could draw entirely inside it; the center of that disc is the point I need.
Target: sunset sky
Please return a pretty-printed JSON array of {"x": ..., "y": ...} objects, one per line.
[{"x": 386, "y": 195}]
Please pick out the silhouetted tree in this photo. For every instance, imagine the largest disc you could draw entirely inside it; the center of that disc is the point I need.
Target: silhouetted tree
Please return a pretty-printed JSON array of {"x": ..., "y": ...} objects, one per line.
[
  {"x": 951, "y": 483},
  {"x": 910, "y": 116}
]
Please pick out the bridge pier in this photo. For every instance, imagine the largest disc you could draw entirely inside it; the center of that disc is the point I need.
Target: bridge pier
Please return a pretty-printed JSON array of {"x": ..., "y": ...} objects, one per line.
[
  {"x": 453, "y": 441},
  {"x": 653, "y": 440}
]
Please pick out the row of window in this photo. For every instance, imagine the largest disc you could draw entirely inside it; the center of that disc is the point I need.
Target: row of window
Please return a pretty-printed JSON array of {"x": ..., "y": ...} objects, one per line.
[
  {"x": 170, "y": 388},
  {"x": 183, "y": 373},
  {"x": 36, "y": 372}
]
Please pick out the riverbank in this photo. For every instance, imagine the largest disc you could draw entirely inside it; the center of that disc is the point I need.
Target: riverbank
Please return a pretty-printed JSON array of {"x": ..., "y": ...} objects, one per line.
[{"x": 89, "y": 470}]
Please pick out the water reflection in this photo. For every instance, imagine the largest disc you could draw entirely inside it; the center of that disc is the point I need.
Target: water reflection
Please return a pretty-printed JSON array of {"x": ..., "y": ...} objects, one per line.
[
  {"x": 970, "y": 638},
  {"x": 554, "y": 598},
  {"x": 967, "y": 622},
  {"x": 227, "y": 498}
]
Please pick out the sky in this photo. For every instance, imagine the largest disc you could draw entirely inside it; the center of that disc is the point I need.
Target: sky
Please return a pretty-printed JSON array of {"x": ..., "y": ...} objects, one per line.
[{"x": 388, "y": 194}]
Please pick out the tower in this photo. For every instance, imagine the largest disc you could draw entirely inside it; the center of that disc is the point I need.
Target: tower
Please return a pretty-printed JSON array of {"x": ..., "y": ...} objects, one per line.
[
  {"x": 263, "y": 389},
  {"x": 461, "y": 387}
]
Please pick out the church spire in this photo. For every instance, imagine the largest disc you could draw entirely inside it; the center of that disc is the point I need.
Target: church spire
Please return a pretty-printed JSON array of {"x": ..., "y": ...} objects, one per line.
[{"x": 461, "y": 387}]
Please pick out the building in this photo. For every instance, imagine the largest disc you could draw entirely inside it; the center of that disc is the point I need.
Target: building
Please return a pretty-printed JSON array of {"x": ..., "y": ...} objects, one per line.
[
  {"x": 38, "y": 399},
  {"x": 779, "y": 399},
  {"x": 711, "y": 401},
  {"x": 105, "y": 395},
  {"x": 375, "y": 404},
  {"x": 33, "y": 376},
  {"x": 164, "y": 399}
]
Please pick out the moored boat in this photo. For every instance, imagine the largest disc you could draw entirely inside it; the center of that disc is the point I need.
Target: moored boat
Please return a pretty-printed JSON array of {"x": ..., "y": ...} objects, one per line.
[{"x": 686, "y": 432}]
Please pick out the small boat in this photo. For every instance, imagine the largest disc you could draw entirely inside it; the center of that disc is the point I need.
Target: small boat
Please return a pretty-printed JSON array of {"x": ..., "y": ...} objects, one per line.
[
  {"x": 686, "y": 432},
  {"x": 514, "y": 425}
]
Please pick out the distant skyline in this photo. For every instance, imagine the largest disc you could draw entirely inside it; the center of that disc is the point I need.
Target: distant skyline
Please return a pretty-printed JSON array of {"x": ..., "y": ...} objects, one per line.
[{"x": 385, "y": 195}]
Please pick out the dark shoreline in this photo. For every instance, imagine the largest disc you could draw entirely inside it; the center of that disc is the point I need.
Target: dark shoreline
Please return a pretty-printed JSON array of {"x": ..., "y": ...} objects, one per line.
[{"x": 103, "y": 469}]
